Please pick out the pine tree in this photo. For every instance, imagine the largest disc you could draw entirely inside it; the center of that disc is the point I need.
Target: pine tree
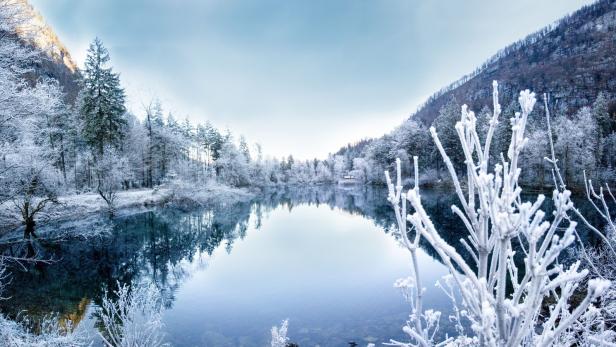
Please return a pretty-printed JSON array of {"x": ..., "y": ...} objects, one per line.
[
  {"x": 244, "y": 148},
  {"x": 445, "y": 125},
  {"x": 502, "y": 133},
  {"x": 158, "y": 158},
  {"x": 102, "y": 104},
  {"x": 600, "y": 110},
  {"x": 604, "y": 124}
]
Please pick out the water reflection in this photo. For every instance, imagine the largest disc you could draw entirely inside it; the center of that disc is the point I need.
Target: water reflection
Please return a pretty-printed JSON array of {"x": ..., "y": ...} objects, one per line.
[{"x": 315, "y": 255}]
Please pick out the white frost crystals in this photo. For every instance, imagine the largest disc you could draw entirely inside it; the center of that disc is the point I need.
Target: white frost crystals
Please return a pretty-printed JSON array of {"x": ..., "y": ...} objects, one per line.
[
  {"x": 279, "y": 334},
  {"x": 133, "y": 318},
  {"x": 512, "y": 289}
]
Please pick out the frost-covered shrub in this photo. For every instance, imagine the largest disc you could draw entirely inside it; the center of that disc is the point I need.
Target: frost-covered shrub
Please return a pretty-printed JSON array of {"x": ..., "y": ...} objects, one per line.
[
  {"x": 497, "y": 294},
  {"x": 111, "y": 170},
  {"x": 601, "y": 261},
  {"x": 132, "y": 317},
  {"x": 279, "y": 334},
  {"x": 50, "y": 333}
]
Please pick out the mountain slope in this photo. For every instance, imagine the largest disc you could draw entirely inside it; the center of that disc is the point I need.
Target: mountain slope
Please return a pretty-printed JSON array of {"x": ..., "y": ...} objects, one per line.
[
  {"x": 572, "y": 60},
  {"x": 56, "y": 61}
]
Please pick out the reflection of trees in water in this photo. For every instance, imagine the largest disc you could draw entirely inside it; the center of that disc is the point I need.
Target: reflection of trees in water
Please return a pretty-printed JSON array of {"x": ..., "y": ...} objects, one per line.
[
  {"x": 371, "y": 203},
  {"x": 163, "y": 247},
  {"x": 166, "y": 246}
]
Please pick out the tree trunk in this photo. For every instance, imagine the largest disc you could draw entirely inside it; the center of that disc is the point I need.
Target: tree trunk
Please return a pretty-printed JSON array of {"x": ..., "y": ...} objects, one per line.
[
  {"x": 62, "y": 160},
  {"x": 29, "y": 230}
]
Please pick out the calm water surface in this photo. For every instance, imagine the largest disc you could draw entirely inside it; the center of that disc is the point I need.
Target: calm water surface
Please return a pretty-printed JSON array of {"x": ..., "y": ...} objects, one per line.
[{"x": 324, "y": 258}]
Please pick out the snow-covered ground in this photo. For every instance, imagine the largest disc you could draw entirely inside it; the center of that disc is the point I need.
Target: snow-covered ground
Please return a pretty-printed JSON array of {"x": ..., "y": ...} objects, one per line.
[{"x": 78, "y": 206}]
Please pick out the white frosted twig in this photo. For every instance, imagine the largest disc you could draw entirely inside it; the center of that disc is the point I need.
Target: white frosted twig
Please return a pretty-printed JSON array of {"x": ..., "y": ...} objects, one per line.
[{"x": 495, "y": 216}]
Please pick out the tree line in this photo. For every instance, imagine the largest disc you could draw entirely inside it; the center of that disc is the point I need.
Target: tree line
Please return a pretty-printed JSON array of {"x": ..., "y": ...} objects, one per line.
[
  {"x": 585, "y": 140},
  {"x": 52, "y": 144}
]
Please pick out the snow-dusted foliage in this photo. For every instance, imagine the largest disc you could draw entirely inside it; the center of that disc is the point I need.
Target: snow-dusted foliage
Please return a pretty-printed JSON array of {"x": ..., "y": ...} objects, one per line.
[
  {"x": 28, "y": 179},
  {"x": 511, "y": 290},
  {"x": 602, "y": 263},
  {"x": 111, "y": 170},
  {"x": 50, "y": 333},
  {"x": 131, "y": 317},
  {"x": 279, "y": 334}
]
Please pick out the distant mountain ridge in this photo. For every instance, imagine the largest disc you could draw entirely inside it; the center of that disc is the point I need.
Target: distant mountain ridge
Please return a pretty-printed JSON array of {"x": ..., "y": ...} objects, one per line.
[
  {"x": 573, "y": 60},
  {"x": 44, "y": 38}
]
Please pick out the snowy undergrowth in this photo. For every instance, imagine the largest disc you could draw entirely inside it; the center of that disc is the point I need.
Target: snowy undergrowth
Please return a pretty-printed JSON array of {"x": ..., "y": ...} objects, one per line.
[
  {"x": 177, "y": 193},
  {"x": 80, "y": 205},
  {"x": 502, "y": 299},
  {"x": 51, "y": 331},
  {"x": 132, "y": 317},
  {"x": 187, "y": 195},
  {"x": 52, "y": 334},
  {"x": 602, "y": 259},
  {"x": 128, "y": 317}
]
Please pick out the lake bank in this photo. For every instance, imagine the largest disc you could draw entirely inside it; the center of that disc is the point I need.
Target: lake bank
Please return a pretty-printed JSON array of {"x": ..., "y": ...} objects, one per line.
[{"x": 77, "y": 206}]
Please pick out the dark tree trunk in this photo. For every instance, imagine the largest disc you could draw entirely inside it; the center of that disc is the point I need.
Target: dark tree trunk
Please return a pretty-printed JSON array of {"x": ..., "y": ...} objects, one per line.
[
  {"x": 62, "y": 160},
  {"x": 29, "y": 230}
]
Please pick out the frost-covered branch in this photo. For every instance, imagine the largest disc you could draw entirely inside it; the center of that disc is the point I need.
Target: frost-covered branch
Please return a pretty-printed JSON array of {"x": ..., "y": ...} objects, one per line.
[
  {"x": 131, "y": 317},
  {"x": 279, "y": 334},
  {"x": 503, "y": 293}
]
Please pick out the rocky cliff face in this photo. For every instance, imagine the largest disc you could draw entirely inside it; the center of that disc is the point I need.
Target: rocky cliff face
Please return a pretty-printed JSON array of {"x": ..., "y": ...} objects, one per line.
[
  {"x": 572, "y": 60},
  {"x": 56, "y": 61}
]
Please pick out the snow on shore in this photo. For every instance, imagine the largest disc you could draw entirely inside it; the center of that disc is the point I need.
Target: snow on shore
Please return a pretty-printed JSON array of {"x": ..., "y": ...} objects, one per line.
[{"x": 78, "y": 206}]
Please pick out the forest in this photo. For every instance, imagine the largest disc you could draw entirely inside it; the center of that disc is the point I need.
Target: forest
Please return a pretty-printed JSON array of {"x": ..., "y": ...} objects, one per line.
[{"x": 584, "y": 139}]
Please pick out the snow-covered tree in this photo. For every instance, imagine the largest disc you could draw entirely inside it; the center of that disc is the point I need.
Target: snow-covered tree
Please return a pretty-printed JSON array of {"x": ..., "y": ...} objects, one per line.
[
  {"x": 231, "y": 166},
  {"x": 576, "y": 144},
  {"x": 243, "y": 148},
  {"x": 533, "y": 159},
  {"x": 338, "y": 167},
  {"x": 608, "y": 174},
  {"x": 445, "y": 125},
  {"x": 513, "y": 270},
  {"x": 600, "y": 110},
  {"x": 360, "y": 169},
  {"x": 111, "y": 171},
  {"x": 29, "y": 182},
  {"x": 27, "y": 173}
]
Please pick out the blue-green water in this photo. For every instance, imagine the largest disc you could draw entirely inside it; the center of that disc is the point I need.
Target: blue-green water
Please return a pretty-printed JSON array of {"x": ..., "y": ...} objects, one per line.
[{"x": 323, "y": 258}]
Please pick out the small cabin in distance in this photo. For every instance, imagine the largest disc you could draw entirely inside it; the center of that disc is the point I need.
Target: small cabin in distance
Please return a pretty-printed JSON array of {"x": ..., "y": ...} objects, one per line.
[{"x": 348, "y": 179}]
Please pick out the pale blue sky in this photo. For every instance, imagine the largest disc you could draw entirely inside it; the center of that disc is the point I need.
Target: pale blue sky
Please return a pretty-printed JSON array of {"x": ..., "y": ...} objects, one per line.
[{"x": 300, "y": 77}]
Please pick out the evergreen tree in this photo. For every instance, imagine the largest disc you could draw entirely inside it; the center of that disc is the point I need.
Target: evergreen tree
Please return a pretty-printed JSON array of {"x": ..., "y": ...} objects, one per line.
[
  {"x": 502, "y": 134},
  {"x": 445, "y": 125},
  {"x": 601, "y": 113},
  {"x": 213, "y": 141},
  {"x": 102, "y": 103},
  {"x": 158, "y": 159},
  {"x": 244, "y": 148},
  {"x": 604, "y": 123}
]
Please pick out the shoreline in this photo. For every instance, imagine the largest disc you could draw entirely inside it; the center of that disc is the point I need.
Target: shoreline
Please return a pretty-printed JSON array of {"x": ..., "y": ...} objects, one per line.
[{"x": 86, "y": 205}]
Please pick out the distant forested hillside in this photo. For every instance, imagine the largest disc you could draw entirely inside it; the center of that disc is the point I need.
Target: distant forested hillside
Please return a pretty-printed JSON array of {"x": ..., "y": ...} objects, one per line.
[{"x": 572, "y": 60}]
